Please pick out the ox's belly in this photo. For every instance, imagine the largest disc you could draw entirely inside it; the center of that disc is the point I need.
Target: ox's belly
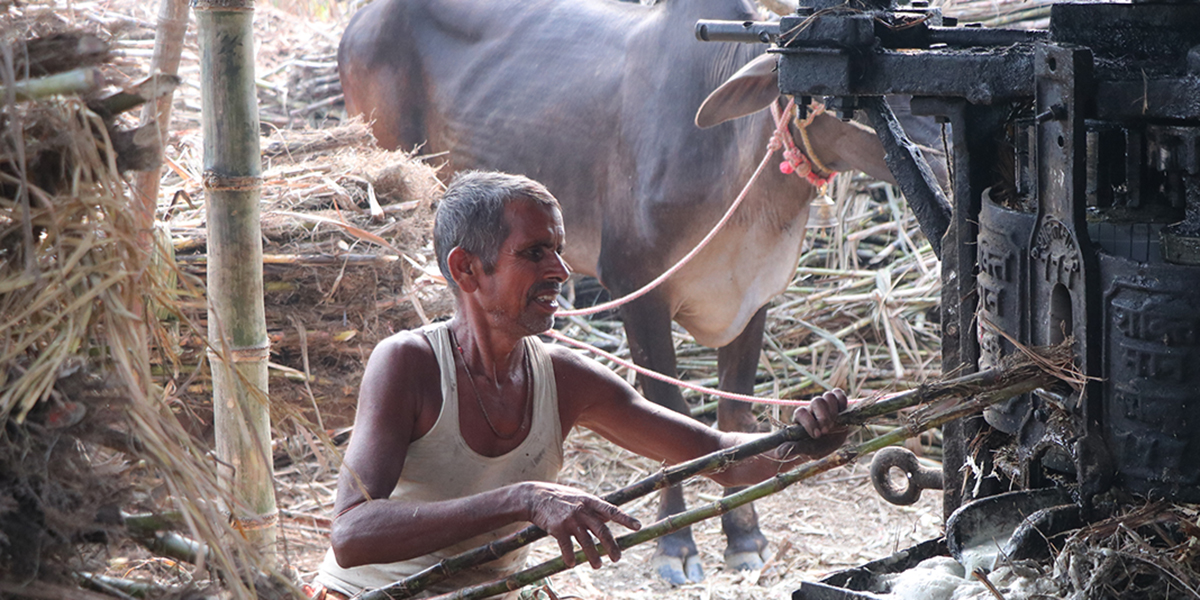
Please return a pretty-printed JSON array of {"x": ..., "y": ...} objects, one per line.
[{"x": 717, "y": 294}]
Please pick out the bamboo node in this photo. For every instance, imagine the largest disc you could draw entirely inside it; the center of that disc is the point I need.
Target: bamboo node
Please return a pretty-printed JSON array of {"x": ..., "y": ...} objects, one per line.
[
  {"x": 241, "y": 355},
  {"x": 214, "y": 182},
  {"x": 255, "y": 522},
  {"x": 224, "y": 5}
]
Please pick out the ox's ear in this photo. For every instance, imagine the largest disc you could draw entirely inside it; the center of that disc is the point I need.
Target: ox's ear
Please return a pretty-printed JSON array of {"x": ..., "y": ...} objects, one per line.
[{"x": 753, "y": 88}]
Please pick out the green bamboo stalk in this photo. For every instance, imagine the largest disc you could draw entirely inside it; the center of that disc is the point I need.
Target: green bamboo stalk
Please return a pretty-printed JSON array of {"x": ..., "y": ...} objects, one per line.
[
  {"x": 172, "y": 545},
  {"x": 1002, "y": 379},
  {"x": 149, "y": 523},
  {"x": 1013, "y": 385},
  {"x": 122, "y": 588},
  {"x": 78, "y": 81},
  {"x": 236, "y": 318}
]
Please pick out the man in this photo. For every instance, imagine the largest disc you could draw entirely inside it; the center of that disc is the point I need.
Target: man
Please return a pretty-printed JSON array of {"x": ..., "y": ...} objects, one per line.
[{"x": 433, "y": 465}]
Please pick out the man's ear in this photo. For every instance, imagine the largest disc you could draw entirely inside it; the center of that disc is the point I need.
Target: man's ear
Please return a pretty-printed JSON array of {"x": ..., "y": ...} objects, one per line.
[{"x": 464, "y": 267}]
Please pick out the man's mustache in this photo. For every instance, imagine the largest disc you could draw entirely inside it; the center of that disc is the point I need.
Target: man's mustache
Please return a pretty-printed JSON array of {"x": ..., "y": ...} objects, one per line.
[{"x": 547, "y": 287}]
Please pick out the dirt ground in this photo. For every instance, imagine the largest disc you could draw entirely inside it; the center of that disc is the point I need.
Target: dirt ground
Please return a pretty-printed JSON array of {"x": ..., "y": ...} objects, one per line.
[{"x": 815, "y": 528}]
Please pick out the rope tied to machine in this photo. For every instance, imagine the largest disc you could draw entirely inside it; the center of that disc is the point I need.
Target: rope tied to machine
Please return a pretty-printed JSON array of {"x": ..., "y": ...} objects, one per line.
[
  {"x": 800, "y": 162},
  {"x": 804, "y": 163}
]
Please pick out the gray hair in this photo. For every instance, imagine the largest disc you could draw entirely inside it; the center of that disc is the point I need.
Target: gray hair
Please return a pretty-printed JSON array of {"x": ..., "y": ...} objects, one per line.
[{"x": 471, "y": 215}]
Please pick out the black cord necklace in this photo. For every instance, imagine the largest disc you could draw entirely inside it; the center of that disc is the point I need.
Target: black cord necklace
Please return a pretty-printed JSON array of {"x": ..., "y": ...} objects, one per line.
[{"x": 479, "y": 399}]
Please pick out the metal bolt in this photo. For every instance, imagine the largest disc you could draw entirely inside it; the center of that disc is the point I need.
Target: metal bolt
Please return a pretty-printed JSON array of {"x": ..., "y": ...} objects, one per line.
[
  {"x": 844, "y": 106},
  {"x": 802, "y": 105},
  {"x": 1057, "y": 112}
]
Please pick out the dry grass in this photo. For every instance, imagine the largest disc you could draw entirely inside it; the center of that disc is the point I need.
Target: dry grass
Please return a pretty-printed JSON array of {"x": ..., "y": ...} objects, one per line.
[{"x": 87, "y": 431}]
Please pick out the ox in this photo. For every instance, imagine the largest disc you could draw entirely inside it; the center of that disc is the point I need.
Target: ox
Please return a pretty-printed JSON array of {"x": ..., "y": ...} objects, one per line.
[{"x": 598, "y": 100}]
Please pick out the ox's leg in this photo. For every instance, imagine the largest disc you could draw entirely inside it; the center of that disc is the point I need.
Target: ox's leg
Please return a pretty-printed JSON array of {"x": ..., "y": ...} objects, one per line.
[
  {"x": 737, "y": 366},
  {"x": 648, "y": 328}
]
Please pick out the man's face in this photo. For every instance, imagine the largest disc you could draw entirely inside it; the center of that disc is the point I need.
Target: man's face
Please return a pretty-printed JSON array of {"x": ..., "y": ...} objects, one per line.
[{"x": 522, "y": 291}]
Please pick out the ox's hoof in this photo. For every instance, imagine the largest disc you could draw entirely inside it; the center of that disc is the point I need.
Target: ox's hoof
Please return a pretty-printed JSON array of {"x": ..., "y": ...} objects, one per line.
[
  {"x": 746, "y": 560},
  {"x": 678, "y": 571}
]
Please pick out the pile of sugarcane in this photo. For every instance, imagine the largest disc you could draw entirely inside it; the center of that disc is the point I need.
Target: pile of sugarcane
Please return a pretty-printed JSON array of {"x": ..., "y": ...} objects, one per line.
[
  {"x": 345, "y": 225},
  {"x": 1015, "y": 14},
  {"x": 346, "y": 247},
  {"x": 89, "y": 441}
]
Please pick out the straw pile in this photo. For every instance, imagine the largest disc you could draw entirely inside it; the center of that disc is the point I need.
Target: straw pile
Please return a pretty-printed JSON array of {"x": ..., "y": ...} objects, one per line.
[
  {"x": 87, "y": 435},
  {"x": 346, "y": 231}
]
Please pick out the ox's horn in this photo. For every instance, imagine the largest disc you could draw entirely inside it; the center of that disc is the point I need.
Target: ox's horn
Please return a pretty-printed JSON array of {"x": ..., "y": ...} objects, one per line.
[{"x": 782, "y": 8}]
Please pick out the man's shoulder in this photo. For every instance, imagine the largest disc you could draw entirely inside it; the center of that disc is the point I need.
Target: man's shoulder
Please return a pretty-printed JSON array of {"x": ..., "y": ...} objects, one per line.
[
  {"x": 566, "y": 355},
  {"x": 402, "y": 371},
  {"x": 576, "y": 364},
  {"x": 406, "y": 346},
  {"x": 405, "y": 339}
]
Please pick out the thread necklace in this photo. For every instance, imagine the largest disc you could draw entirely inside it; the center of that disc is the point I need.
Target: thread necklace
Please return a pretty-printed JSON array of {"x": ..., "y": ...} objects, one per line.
[{"x": 479, "y": 399}]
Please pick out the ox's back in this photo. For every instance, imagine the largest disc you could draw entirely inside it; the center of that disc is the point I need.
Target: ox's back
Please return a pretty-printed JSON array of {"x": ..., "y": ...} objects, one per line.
[{"x": 595, "y": 99}]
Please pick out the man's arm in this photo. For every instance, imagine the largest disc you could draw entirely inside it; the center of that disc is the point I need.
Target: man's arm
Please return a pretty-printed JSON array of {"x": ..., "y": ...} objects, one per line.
[
  {"x": 394, "y": 408},
  {"x": 370, "y": 528},
  {"x": 594, "y": 397}
]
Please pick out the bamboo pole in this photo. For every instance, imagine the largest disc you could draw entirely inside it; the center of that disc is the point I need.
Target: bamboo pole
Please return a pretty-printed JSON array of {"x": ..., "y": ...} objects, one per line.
[
  {"x": 236, "y": 319},
  {"x": 992, "y": 385},
  {"x": 168, "y": 50}
]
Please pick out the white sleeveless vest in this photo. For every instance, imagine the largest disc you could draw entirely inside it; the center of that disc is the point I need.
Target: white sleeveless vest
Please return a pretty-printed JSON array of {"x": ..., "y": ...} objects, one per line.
[{"x": 441, "y": 465}]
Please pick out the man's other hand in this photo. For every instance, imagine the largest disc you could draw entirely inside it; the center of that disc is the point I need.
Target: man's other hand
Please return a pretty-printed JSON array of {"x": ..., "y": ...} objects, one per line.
[
  {"x": 819, "y": 419},
  {"x": 567, "y": 513}
]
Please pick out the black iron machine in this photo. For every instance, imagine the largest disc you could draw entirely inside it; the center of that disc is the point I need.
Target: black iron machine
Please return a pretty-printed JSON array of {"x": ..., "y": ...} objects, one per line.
[{"x": 1075, "y": 162}]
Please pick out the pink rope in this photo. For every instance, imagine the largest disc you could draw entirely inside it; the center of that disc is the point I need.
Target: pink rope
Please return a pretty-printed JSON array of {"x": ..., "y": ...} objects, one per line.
[
  {"x": 795, "y": 160},
  {"x": 774, "y": 144},
  {"x": 780, "y": 138},
  {"x": 659, "y": 376}
]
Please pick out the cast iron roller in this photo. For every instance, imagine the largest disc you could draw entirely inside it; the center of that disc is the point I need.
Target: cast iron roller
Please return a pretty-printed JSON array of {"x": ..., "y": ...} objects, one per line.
[{"x": 918, "y": 477}]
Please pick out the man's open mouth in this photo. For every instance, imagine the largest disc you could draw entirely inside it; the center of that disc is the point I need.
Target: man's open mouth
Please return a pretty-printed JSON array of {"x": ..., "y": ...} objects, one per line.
[{"x": 547, "y": 298}]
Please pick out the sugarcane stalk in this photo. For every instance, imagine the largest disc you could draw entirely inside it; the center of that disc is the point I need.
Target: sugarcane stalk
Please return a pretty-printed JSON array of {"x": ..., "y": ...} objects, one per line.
[
  {"x": 172, "y": 545},
  {"x": 152, "y": 532},
  {"x": 1020, "y": 15},
  {"x": 121, "y": 588},
  {"x": 1027, "y": 373},
  {"x": 1013, "y": 383},
  {"x": 149, "y": 523},
  {"x": 304, "y": 260},
  {"x": 237, "y": 328}
]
